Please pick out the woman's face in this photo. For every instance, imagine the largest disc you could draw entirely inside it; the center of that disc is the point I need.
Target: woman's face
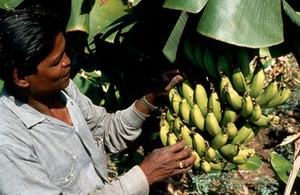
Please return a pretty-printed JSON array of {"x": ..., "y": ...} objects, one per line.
[{"x": 53, "y": 73}]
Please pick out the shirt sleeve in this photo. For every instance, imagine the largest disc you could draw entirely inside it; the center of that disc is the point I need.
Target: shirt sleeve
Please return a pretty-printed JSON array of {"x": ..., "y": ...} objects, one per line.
[
  {"x": 116, "y": 130},
  {"x": 22, "y": 174},
  {"x": 134, "y": 182}
]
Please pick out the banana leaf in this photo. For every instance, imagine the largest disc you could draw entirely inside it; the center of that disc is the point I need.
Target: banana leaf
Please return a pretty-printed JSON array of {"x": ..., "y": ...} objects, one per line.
[
  {"x": 9, "y": 4},
  {"x": 252, "y": 24},
  {"x": 194, "y": 6}
]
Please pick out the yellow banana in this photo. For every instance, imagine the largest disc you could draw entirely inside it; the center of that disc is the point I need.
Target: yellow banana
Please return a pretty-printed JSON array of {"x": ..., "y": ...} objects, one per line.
[
  {"x": 214, "y": 103},
  {"x": 175, "y": 102},
  {"x": 229, "y": 151},
  {"x": 210, "y": 154},
  {"x": 210, "y": 63},
  {"x": 177, "y": 125},
  {"x": 256, "y": 113},
  {"x": 199, "y": 143},
  {"x": 238, "y": 80},
  {"x": 201, "y": 98},
  {"x": 188, "y": 92},
  {"x": 229, "y": 115},
  {"x": 170, "y": 117},
  {"x": 243, "y": 156},
  {"x": 185, "y": 133},
  {"x": 223, "y": 66},
  {"x": 197, "y": 117},
  {"x": 184, "y": 111},
  {"x": 172, "y": 138},
  {"x": 233, "y": 98},
  {"x": 164, "y": 130},
  {"x": 268, "y": 93},
  {"x": 242, "y": 134},
  {"x": 197, "y": 163},
  {"x": 258, "y": 82},
  {"x": 231, "y": 130},
  {"x": 212, "y": 125},
  {"x": 219, "y": 140},
  {"x": 247, "y": 105},
  {"x": 224, "y": 83},
  {"x": 205, "y": 166}
]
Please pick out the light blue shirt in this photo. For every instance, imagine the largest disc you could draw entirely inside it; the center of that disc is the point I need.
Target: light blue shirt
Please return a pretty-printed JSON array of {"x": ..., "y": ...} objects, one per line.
[{"x": 42, "y": 155}]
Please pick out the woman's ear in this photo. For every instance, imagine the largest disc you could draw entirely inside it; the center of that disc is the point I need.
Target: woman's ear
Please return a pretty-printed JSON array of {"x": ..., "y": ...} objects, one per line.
[{"x": 20, "y": 81}]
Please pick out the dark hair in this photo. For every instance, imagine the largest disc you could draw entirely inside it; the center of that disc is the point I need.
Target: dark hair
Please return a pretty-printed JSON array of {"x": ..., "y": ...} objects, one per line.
[{"x": 26, "y": 38}]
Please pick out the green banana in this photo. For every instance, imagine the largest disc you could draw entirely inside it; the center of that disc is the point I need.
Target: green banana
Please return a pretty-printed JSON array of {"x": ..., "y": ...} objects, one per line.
[
  {"x": 229, "y": 151},
  {"x": 252, "y": 66},
  {"x": 201, "y": 98},
  {"x": 233, "y": 98},
  {"x": 188, "y": 49},
  {"x": 263, "y": 121},
  {"x": 231, "y": 130},
  {"x": 185, "y": 133},
  {"x": 247, "y": 105},
  {"x": 268, "y": 93},
  {"x": 172, "y": 138},
  {"x": 214, "y": 103},
  {"x": 210, "y": 154},
  {"x": 224, "y": 83},
  {"x": 184, "y": 111},
  {"x": 216, "y": 165},
  {"x": 223, "y": 66},
  {"x": 197, "y": 117},
  {"x": 238, "y": 80},
  {"x": 199, "y": 55},
  {"x": 219, "y": 140},
  {"x": 287, "y": 94},
  {"x": 257, "y": 82},
  {"x": 242, "y": 134},
  {"x": 210, "y": 63},
  {"x": 243, "y": 60},
  {"x": 256, "y": 113},
  {"x": 276, "y": 99},
  {"x": 229, "y": 115},
  {"x": 164, "y": 129},
  {"x": 188, "y": 92},
  {"x": 211, "y": 124},
  {"x": 199, "y": 143},
  {"x": 250, "y": 137},
  {"x": 205, "y": 166}
]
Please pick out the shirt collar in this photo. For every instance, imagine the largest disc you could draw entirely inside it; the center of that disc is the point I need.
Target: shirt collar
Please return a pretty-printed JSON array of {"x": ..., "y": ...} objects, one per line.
[{"x": 24, "y": 112}]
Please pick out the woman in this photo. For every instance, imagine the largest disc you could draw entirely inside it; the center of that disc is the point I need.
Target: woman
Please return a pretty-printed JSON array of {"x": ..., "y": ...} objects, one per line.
[{"x": 52, "y": 138}]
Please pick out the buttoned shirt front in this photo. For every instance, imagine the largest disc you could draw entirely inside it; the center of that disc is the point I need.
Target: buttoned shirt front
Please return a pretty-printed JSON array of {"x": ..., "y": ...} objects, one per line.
[{"x": 40, "y": 154}]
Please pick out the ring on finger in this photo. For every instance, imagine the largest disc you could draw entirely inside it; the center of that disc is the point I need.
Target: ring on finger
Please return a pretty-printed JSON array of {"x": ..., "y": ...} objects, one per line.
[{"x": 180, "y": 165}]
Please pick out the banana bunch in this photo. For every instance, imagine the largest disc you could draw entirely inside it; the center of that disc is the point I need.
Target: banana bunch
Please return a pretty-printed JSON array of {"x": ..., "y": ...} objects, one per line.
[{"x": 218, "y": 117}]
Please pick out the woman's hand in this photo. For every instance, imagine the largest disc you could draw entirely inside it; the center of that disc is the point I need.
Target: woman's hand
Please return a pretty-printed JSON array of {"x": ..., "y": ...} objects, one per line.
[{"x": 167, "y": 161}]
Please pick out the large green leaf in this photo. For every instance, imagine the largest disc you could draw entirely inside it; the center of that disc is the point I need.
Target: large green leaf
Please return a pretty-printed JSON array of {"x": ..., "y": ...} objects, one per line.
[
  {"x": 193, "y": 6},
  {"x": 110, "y": 19},
  {"x": 252, "y": 24},
  {"x": 295, "y": 17},
  {"x": 79, "y": 17},
  {"x": 9, "y": 4}
]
